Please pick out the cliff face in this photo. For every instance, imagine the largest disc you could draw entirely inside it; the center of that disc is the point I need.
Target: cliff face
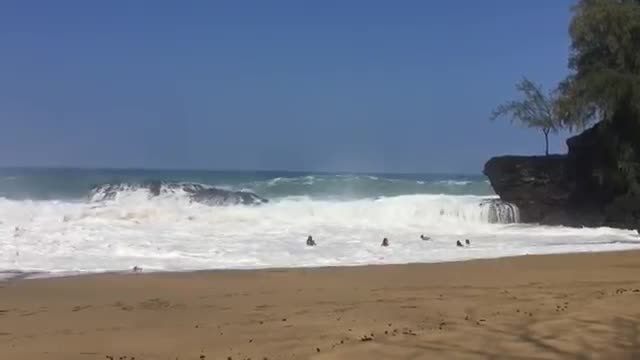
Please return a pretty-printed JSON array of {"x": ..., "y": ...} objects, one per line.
[
  {"x": 536, "y": 184},
  {"x": 577, "y": 189}
]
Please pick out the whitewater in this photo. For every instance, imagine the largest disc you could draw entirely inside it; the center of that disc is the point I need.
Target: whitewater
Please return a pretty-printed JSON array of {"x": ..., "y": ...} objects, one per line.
[{"x": 52, "y": 224}]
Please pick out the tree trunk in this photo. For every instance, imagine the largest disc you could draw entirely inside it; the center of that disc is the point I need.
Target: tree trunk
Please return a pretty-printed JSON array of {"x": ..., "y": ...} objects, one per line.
[{"x": 546, "y": 141}]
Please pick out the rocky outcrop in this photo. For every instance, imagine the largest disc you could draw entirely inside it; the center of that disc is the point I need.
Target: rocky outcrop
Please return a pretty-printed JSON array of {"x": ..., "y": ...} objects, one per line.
[
  {"x": 581, "y": 188},
  {"x": 214, "y": 196},
  {"x": 194, "y": 192},
  {"x": 540, "y": 188}
]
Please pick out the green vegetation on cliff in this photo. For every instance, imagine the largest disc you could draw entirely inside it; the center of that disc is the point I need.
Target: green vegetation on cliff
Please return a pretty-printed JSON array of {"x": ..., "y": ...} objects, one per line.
[
  {"x": 603, "y": 87},
  {"x": 605, "y": 63}
]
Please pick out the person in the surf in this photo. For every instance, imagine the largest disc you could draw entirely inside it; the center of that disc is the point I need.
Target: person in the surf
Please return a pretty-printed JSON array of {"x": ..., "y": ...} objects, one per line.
[
  {"x": 385, "y": 242},
  {"x": 310, "y": 241},
  {"x": 422, "y": 237}
]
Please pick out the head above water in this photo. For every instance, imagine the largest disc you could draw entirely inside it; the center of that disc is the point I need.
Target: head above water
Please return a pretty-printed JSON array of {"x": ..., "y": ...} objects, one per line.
[{"x": 310, "y": 241}]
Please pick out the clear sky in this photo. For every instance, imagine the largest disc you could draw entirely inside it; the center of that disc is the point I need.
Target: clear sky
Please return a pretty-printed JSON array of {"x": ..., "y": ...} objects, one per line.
[{"x": 337, "y": 85}]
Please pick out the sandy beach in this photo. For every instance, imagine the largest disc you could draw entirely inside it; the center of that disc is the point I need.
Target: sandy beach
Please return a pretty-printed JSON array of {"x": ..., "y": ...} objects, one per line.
[{"x": 536, "y": 307}]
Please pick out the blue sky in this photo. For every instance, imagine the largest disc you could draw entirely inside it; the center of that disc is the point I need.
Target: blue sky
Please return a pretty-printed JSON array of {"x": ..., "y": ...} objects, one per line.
[{"x": 403, "y": 86}]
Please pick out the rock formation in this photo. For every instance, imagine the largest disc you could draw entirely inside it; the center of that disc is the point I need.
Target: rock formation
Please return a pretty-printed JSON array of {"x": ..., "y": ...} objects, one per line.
[
  {"x": 581, "y": 188},
  {"x": 194, "y": 192}
]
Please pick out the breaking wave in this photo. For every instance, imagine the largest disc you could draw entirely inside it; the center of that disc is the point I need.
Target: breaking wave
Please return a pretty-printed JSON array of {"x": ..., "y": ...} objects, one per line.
[
  {"x": 58, "y": 222},
  {"x": 181, "y": 190}
]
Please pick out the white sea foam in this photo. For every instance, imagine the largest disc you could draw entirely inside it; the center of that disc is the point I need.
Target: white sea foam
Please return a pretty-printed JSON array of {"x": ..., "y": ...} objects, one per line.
[
  {"x": 172, "y": 233},
  {"x": 454, "y": 182}
]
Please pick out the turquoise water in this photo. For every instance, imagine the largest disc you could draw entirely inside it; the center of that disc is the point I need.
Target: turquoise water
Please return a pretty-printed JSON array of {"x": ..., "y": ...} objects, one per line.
[{"x": 74, "y": 184}]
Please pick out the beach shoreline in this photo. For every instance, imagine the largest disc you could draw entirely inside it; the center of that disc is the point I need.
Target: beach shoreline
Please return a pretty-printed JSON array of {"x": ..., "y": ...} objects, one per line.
[
  {"x": 16, "y": 275},
  {"x": 537, "y": 306}
]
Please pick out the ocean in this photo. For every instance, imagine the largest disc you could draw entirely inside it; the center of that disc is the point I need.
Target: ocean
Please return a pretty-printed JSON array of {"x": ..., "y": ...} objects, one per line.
[{"x": 57, "y": 222}]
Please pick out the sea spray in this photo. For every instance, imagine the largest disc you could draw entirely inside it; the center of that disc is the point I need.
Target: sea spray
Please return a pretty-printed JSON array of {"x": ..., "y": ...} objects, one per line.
[
  {"x": 192, "y": 191},
  {"x": 500, "y": 212},
  {"x": 59, "y": 227}
]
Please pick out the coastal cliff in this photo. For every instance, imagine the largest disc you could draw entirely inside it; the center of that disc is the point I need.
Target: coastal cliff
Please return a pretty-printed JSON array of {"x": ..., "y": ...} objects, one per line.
[{"x": 581, "y": 188}]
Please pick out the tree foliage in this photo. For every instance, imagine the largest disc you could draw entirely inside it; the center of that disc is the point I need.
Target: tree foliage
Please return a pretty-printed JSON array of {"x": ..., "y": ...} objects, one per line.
[
  {"x": 534, "y": 110},
  {"x": 605, "y": 63},
  {"x": 604, "y": 85}
]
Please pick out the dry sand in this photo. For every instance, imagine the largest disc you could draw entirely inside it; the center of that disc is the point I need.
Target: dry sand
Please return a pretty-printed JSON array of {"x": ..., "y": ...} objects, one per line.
[{"x": 535, "y": 307}]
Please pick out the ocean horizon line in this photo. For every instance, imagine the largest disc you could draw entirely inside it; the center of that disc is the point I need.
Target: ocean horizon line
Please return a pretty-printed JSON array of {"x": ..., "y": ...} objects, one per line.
[{"x": 227, "y": 170}]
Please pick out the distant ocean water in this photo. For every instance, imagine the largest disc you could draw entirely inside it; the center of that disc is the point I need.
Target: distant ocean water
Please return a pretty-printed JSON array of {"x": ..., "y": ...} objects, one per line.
[
  {"x": 74, "y": 184},
  {"x": 50, "y": 225}
]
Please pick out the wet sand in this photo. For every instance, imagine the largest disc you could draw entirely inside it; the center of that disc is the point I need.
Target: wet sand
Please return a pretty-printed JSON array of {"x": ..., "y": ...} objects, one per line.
[{"x": 535, "y": 307}]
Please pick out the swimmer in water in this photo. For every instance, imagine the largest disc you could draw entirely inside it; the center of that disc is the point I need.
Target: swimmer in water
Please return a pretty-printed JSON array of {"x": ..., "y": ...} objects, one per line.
[{"x": 310, "y": 241}]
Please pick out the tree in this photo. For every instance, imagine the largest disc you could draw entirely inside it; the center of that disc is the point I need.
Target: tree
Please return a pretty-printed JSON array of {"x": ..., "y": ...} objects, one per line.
[
  {"x": 605, "y": 63},
  {"x": 535, "y": 110},
  {"x": 604, "y": 84}
]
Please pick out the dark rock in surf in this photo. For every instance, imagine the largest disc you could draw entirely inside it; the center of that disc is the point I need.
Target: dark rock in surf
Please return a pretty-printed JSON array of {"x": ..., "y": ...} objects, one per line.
[
  {"x": 213, "y": 196},
  {"x": 155, "y": 187},
  {"x": 467, "y": 242},
  {"x": 385, "y": 242},
  {"x": 459, "y": 244},
  {"x": 194, "y": 192}
]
